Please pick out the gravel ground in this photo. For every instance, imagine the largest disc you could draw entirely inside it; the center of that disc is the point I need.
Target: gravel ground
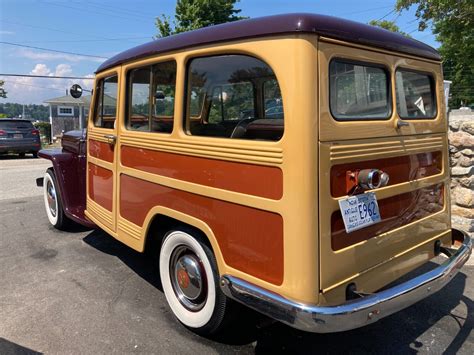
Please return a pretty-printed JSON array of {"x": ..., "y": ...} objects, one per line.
[{"x": 84, "y": 292}]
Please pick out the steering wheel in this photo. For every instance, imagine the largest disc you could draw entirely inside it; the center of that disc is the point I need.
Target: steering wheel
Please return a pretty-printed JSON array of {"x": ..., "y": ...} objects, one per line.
[{"x": 241, "y": 128}]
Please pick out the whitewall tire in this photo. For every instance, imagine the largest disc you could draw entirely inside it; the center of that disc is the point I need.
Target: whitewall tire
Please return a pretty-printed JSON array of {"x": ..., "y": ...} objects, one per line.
[
  {"x": 53, "y": 202},
  {"x": 190, "y": 281}
]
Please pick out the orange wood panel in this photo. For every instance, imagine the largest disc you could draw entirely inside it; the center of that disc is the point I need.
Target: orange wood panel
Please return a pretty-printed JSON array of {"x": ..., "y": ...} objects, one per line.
[
  {"x": 101, "y": 150},
  {"x": 396, "y": 211},
  {"x": 400, "y": 169},
  {"x": 250, "y": 240},
  {"x": 101, "y": 186},
  {"x": 257, "y": 180}
]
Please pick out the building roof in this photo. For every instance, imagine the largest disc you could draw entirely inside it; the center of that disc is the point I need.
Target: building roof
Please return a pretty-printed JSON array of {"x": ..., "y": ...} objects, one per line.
[
  {"x": 65, "y": 100},
  {"x": 322, "y": 25}
]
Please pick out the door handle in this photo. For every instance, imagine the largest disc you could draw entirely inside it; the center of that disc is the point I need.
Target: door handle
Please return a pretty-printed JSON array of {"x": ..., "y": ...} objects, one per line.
[
  {"x": 399, "y": 123},
  {"x": 111, "y": 138}
]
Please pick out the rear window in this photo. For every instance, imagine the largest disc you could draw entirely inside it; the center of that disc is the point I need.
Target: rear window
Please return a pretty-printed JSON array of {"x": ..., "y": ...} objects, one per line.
[
  {"x": 415, "y": 94},
  {"x": 15, "y": 124},
  {"x": 359, "y": 91}
]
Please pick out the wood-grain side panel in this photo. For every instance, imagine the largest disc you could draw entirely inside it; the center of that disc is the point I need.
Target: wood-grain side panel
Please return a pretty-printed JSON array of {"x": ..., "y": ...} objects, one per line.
[
  {"x": 256, "y": 180},
  {"x": 101, "y": 185},
  {"x": 250, "y": 240}
]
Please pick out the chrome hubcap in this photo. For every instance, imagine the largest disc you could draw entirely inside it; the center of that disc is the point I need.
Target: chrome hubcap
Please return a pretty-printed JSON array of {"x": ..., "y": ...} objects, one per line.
[
  {"x": 188, "y": 278},
  {"x": 51, "y": 197}
]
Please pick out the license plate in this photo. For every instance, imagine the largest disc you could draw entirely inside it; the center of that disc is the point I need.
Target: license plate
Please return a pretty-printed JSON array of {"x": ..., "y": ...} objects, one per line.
[
  {"x": 359, "y": 211},
  {"x": 18, "y": 136}
]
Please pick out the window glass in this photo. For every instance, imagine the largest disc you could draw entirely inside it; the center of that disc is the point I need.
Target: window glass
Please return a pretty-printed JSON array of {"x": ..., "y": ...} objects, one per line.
[
  {"x": 228, "y": 97},
  {"x": 151, "y": 98},
  {"x": 139, "y": 80},
  {"x": 272, "y": 99},
  {"x": 15, "y": 124},
  {"x": 66, "y": 111},
  {"x": 358, "y": 91},
  {"x": 106, "y": 102},
  {"x": 415, "y": 95}
]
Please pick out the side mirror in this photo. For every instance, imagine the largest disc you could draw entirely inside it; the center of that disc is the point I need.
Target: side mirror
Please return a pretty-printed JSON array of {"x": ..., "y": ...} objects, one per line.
[
  {"x": 160, "y": 95},
  {"x": 76, "y": 91}
]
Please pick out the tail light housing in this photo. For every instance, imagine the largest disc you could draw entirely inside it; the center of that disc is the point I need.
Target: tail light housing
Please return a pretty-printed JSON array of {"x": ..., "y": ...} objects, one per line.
[
  {"x": 2, "y": 132},
  {"x": 35, "y": 132}
]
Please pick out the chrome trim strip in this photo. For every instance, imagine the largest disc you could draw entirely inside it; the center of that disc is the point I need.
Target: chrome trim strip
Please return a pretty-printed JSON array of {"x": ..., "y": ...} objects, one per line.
[{"x": 353, "y": 314}]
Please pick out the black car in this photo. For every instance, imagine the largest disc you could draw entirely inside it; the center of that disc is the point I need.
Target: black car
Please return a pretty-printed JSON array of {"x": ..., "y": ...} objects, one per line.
[{"x": 19, "y": 136}]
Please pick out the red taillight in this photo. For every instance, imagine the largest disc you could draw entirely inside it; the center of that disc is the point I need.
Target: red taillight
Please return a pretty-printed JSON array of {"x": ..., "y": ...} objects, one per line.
[
  {"x": 2, "y": 132},
  {"x": 35, "y": 132}
]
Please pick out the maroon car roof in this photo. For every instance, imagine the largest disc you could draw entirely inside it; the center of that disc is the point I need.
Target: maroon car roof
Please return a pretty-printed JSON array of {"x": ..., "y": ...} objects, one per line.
[{"x": 327, "y": 26}]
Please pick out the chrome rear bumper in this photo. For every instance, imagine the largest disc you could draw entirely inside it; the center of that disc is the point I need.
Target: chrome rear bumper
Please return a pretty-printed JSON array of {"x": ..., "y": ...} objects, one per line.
[{"x": 353, "y": 314}]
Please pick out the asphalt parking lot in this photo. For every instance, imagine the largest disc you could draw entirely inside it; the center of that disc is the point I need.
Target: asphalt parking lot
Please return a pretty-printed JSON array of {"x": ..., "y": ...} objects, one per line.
[{"x": 83, "y": 292}]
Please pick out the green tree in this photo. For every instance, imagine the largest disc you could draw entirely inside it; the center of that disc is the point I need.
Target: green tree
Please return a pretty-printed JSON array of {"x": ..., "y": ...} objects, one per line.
[
  {"x": 3, "y": 93},
  {"x": 388, "y": 25},
  {"x": 452, "y": 21},
  {"x": 194, "y": 14}
]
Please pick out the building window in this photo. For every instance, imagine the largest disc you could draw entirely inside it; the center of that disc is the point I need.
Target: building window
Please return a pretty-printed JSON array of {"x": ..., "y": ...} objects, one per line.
[{"x": 65, "y": 111}]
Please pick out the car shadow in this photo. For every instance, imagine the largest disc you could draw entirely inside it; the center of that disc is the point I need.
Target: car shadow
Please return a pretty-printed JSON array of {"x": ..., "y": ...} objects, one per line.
[
  {"x": 7, "y": 347},
  {"x": 398, "y": 333}
]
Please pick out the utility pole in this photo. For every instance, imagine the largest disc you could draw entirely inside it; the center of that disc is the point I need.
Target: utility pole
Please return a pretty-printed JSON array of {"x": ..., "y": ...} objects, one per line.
[{"x": 23, "y": 114}]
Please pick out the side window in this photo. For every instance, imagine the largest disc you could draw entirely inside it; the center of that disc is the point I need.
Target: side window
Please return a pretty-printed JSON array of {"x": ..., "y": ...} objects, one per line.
[
  {"x": 358, "y": 91},
  {"x": 228, "y": 96},
  {"x": 106, "y": 102},
  {"x": 139, "y": 101},
  {"x": 415, "y": 95},
  {"x": 151, "y": 95}
]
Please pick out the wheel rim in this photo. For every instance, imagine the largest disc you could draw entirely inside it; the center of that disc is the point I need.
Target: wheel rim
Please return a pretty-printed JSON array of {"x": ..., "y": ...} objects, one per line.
[
  {"x": 188, "y": 278},
  {"x": 51, "y": 198}
]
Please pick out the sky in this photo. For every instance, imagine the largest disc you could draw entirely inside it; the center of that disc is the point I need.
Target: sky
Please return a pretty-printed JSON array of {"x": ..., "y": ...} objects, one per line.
[{"x": 97, "y": 29}]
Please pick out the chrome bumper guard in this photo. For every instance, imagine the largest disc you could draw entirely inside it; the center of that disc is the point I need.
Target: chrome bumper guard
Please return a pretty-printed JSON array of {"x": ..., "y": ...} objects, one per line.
[{"x": 356, "y": 313}]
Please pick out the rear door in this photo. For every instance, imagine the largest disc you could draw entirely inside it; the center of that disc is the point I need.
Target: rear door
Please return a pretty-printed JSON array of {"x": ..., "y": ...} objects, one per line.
[
  {"x": 101, "y": 152},
  {"x": 368, "y": 121}
]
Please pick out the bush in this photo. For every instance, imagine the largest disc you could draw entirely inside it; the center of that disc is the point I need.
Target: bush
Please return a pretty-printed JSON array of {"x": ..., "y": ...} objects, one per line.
[{"x": 45, "y": 131}]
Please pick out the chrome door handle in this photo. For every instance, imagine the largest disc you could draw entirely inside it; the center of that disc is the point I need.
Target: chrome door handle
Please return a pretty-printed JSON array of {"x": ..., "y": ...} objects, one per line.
[{"x": 111, "y": 138}]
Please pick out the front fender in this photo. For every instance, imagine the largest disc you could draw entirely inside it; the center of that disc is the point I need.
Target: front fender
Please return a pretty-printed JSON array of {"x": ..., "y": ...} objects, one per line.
[{"x": 70, "y": 172}]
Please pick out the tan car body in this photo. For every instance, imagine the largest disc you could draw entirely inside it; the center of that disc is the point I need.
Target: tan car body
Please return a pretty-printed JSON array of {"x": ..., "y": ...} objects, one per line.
[{"x": 312, "y": 143}]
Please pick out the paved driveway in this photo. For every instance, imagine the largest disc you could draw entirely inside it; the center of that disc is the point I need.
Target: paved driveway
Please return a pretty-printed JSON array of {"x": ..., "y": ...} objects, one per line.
[{"x": 84, "y": 292}]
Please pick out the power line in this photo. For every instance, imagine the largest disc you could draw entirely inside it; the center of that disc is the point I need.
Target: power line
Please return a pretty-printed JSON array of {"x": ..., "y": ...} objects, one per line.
[
  {"x": 90, "y": 40},
  {"x": 51, "y": 29},
  {"x": 387, "y": 14},
  {"x": 367, "y": 10},
  {"x": 116, "y": 8},
  {"x": 34, "y": 86},
  {"x": 53, "y": 50},
  {"x": 100, "y": 12},
  {"x": 48, "y": 76}
]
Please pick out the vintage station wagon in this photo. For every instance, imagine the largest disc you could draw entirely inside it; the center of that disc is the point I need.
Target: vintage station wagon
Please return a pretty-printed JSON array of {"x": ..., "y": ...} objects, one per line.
[{"x": 297, "y": 164}]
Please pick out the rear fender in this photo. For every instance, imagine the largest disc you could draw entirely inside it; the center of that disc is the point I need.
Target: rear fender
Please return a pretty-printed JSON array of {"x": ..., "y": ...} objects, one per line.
[{"x": 70, "y": 172}]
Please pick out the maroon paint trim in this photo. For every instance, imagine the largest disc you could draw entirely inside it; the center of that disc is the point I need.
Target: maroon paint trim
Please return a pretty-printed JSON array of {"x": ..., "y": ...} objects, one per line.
[
  {"x": 322, "y": 25},
  {"x": 70, "y": 172}
]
